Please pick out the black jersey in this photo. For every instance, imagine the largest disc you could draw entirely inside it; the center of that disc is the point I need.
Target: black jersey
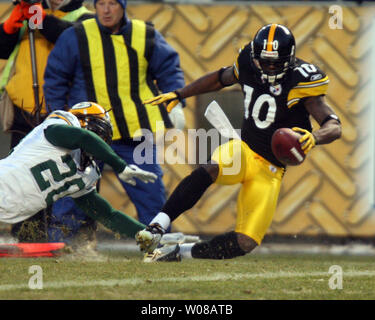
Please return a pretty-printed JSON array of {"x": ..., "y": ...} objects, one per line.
[{"x": 268, "y": 108}]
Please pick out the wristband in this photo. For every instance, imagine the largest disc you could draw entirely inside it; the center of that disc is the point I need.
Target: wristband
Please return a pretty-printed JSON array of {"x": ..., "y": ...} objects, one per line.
[{"x": 330, "y": 117}]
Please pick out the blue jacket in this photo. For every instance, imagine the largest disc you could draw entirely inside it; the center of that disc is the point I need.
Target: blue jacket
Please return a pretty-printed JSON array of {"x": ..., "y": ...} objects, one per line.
[{"x": 64, "y": 78}]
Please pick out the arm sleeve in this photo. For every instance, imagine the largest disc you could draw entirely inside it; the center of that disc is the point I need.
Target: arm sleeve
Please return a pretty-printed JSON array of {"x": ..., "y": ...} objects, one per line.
[
  {"x": 99, "y": 209},
  {"x": 165, "y": 65},
  {"x": 7, "y": 42},
  {"x": 53, "y": 27},
  {"x": 61, "y": 65},
  {"x": 71, "y": 138},
  {"x": 309, "y": 83}
]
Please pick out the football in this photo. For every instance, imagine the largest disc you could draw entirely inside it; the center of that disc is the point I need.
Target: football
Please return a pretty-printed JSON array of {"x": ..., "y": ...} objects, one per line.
[{"x": 286, "y": 147}]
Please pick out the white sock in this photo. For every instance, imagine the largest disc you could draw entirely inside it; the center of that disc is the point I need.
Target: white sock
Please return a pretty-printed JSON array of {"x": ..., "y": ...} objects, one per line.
[
  {"x": 162, "y": 219},
  {"x": 185, "y": 250}
]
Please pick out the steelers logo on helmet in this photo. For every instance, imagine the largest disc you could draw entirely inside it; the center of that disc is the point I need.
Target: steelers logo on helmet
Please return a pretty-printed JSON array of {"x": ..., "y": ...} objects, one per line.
[
  {"x": 273, "y": 53},
  {"x": 95, "y": 118}
]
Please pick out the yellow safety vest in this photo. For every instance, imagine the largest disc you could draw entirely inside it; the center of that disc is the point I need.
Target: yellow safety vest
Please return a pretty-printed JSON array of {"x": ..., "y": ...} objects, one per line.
[
  {"x": 20, "y": 86},
  {"x": 115, "y": 70}
]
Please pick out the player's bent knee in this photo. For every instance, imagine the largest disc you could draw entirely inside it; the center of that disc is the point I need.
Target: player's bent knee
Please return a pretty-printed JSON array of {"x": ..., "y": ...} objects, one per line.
[{"x": 246, "y": 243}]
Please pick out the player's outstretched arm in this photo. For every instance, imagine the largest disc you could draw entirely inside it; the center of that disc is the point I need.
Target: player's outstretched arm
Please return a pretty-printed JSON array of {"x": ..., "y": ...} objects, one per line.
[
  {"x": 330, "y": 125},
  {"x": 72, "y": 138},
  {"x": 99, "y": 209},
  {"x": 210, "y": 82}
]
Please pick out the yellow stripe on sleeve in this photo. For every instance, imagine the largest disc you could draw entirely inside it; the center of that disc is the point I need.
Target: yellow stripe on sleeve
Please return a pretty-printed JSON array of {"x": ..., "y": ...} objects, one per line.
[
  {"x": 307, "y": 89},
  {"x": 236, "y": 72},
  {"x": 325, "y": 80}
]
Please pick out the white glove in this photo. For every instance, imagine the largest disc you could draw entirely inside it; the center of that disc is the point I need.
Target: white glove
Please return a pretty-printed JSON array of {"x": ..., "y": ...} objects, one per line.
[
  {"x": 177, "y": 116},
  {"x": 132, "y": 171}
]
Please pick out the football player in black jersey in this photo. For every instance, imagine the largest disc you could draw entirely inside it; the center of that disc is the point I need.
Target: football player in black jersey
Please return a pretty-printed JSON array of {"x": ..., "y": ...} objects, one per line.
[{"x": 280, "y": 91}]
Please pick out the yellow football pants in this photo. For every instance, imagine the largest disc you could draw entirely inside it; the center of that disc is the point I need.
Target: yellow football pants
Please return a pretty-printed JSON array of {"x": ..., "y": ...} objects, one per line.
[{"x": 261, "y": 181}]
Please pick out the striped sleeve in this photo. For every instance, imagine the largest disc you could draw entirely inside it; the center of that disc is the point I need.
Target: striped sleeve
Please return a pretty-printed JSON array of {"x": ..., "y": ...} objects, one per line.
[{"x": 307, "y": 89}]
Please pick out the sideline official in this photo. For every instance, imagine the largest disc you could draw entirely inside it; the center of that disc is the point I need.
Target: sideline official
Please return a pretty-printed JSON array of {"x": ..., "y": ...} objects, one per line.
[{"x": 118, "y": 62}]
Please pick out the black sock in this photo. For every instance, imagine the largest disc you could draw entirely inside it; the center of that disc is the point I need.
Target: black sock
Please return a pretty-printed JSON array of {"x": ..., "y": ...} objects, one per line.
[
  {"x": 224, "y": 246},
  {"x": 187, "y": 193}
]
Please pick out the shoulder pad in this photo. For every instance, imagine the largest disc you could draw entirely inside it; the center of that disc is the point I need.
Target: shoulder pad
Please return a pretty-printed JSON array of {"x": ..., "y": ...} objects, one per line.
[
  {"x": 307, "y": 81},
  {"x": 243, "y": 59},
  {"x": 245, "y": 49},
  {"x": 307, "y": 72}
]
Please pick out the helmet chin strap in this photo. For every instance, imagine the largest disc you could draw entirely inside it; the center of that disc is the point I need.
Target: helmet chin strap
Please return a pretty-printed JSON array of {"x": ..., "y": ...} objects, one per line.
[
  {"x": 265, "y": 77},
  {"x": 271, "y": 79}
]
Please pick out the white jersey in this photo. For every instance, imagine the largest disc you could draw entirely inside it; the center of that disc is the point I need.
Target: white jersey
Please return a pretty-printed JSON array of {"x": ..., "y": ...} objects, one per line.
[{"x": 38, "y": 173}]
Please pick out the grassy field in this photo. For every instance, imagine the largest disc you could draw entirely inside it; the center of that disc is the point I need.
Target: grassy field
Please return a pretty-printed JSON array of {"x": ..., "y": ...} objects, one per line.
[{"x": 125, "y": 276}]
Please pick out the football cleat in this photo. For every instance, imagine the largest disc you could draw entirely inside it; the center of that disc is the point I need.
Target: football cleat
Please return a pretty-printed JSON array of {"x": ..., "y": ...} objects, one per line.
[
  {"x": 148, "y": 239},
  {"x": 166, "y": 254}
]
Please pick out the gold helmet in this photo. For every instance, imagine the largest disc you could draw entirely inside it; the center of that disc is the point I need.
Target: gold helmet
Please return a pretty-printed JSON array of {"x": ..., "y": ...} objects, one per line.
[{"x": 95, "y": 118}]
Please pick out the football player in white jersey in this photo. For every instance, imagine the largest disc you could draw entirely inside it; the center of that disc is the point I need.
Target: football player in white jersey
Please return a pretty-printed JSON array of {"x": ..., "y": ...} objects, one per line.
[{"x": 58, "y": 159}]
